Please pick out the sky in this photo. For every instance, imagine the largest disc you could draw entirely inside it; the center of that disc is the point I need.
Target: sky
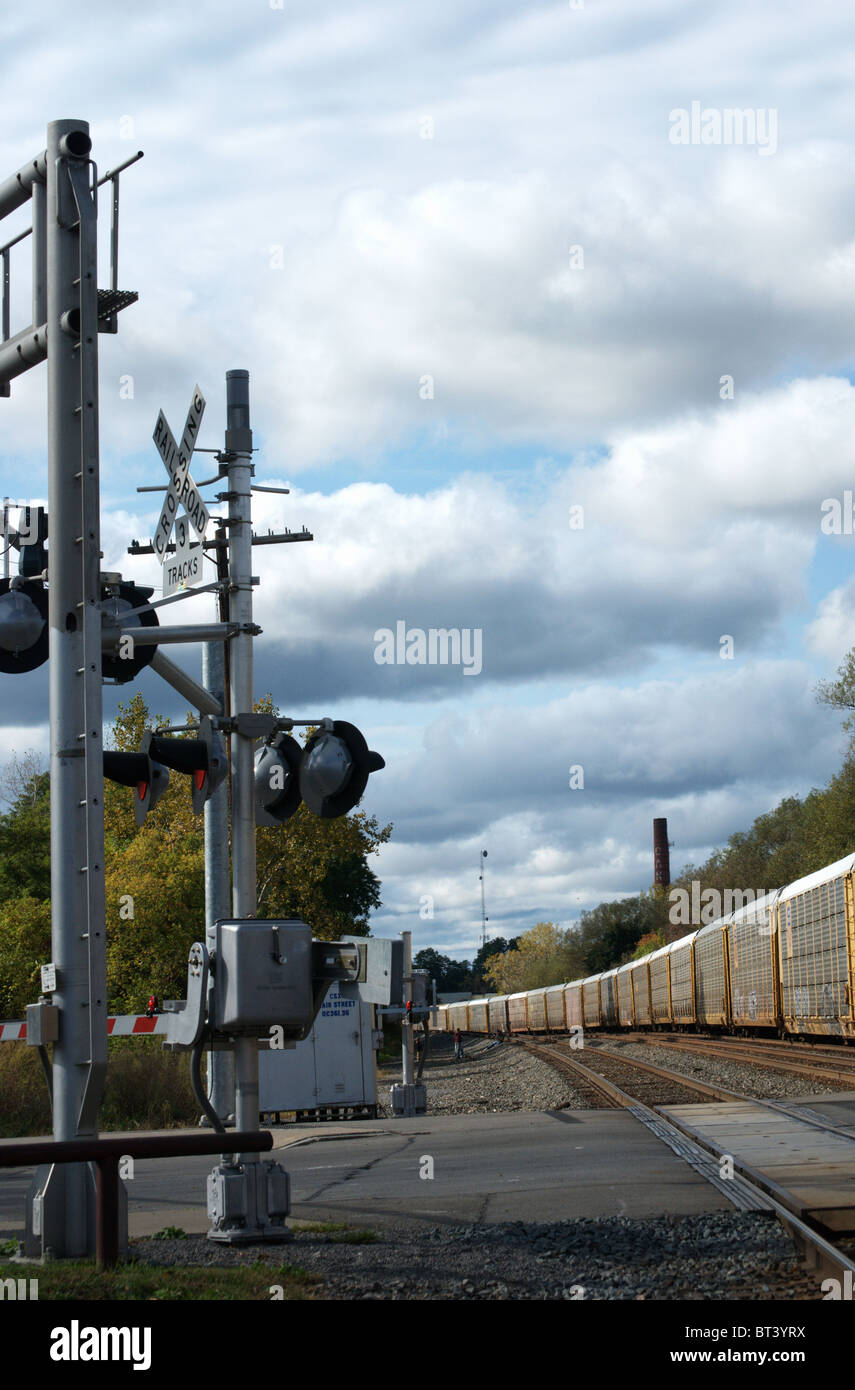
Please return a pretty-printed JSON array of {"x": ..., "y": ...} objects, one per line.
[{"x": 547, "y": 310}]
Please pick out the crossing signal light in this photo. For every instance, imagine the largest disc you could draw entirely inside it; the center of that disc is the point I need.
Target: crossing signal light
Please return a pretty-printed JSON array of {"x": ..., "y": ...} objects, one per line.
[
  {"x": 335, "y": 769},
  {"x": 277, "y": 780},
  {"x": 24, "y": 629},
  {"x": 24, "y": 633},
  {"x": 203, "y": 759},
  {"x": 330, "y": 774},
  {"x": 148, "y": 778},
  {"x": 118, "y": 598},
  {"x": 30, "y": 540}
]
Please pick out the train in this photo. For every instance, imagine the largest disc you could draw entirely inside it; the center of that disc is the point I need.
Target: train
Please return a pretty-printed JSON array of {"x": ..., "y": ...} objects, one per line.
[{"x": 783, "y": 964}]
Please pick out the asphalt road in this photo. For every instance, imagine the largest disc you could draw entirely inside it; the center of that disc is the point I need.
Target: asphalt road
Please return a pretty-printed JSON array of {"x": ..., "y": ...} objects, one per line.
[{"x": 493, "y": 1168}]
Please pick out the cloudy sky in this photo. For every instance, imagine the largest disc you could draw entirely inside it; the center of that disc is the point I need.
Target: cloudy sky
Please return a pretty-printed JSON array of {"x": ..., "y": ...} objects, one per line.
[{"x": 552, "y": 349}]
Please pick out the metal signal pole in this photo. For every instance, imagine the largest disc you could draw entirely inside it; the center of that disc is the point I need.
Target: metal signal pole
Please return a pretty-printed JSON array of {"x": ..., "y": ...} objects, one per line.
[
  {"x": 483, "y": 870},
  {"x": 221, "y": 1065},
  {"x": 62, "y": 1210},
  {"x": 244, "y": 895}
]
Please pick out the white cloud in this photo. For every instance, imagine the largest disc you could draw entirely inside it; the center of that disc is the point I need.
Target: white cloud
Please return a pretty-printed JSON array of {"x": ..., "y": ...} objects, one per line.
[{"x": 832, "y": 632}]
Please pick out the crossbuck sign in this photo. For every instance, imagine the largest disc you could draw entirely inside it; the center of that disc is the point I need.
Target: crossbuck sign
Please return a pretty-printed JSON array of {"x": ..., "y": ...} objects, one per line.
[{"x": 182, "y": 490}]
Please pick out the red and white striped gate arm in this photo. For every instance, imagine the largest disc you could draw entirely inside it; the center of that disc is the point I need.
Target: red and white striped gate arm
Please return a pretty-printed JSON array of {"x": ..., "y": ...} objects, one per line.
[{"x": 118, "y": 1026}]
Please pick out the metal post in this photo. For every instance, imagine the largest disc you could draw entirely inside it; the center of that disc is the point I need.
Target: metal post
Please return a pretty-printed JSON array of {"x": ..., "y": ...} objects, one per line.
[
  {"x": 62, "y": 1212},
  {"x": 244, "y": 899},
  {"x": 483, "y": 903},
  {"x": 39, "y": 254},
  {"x": 221, "y": 1065},
  {"x": 106, "y": 1211},
  {"x": 407, "y": 1022},
  {"x": 256, "y": 1202}
]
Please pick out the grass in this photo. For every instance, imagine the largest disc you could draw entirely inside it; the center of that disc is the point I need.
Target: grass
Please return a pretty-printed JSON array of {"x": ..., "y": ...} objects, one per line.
[
  {"x": 80, "y": 1279},
  {"x": 146, "y": 1088},
  {"x": 135, "y": 1281}
]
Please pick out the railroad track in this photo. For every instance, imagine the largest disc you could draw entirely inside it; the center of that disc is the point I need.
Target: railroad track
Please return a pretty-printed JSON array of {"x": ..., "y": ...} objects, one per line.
[
  {"x": 836, "y": 1072},
  {"x": 604, "y": 1074},
  {"x": 754, "y": 1188}
]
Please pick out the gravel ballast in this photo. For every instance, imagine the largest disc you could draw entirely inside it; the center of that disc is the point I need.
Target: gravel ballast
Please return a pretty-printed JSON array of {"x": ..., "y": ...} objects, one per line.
[
  {"x": 721, "y": 1255},
  {"x": 745, "y": 1077},
  {"x": 493, "y": 1078}
]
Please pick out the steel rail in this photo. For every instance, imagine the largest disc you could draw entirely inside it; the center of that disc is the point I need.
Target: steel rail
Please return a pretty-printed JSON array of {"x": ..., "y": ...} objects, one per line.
[
  {"x": 748, "y": 1052},
  {"x": 816, "y": 1250}
]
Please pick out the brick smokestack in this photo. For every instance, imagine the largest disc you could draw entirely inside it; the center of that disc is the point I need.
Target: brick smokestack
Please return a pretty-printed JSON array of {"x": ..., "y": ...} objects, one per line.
[{"x": 661, "y": 856}]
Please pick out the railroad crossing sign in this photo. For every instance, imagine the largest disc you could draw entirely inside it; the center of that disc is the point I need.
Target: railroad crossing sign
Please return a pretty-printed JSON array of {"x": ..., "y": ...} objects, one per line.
[
  {"x": 181, "y": 490},
  {"x": 182, "y": 569}
]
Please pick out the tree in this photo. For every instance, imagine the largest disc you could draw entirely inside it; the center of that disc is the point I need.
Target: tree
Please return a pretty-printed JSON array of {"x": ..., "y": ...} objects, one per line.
[
  {"x": 840, "y": 692},
  {"x": 451, "y": 976},
  {"x": 25, "y": 831},
  {"x": 318, "y": 870},
  {"x": 609, "y": 933},
  {"x": 24, "y": 948},
  {"x": 542, "y": 956},
  {"x": 154, "y": 881},
  {"x": 651, "y": 941}
]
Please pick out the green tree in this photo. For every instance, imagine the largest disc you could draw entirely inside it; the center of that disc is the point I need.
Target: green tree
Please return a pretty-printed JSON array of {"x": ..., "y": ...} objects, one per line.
[
  {"x": 542, "y": 956},
  {"x": 24, "y": 948},
  {"x": 451, "y": 976},
  {"x": 25, "y": 834},
  {"x": 839, "y": 693},
  {"x": 154, "y": 881}
]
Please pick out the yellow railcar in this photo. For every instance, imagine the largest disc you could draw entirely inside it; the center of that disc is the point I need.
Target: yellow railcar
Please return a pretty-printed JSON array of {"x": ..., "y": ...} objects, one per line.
[
  {"x": 660, "y": 985},
  {"x": 712, "y": 992},
  {"x": 816, "y": 951},
  {"x": 752, "y": 953}
]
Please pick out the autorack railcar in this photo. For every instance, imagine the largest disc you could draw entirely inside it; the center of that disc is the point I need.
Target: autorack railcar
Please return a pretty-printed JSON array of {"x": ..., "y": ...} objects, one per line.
[{"x": 785, "y": 963}]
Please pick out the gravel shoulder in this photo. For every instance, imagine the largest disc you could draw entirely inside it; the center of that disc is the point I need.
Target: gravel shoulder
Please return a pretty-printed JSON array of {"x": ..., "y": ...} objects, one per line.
[
  {"x": 492, "y": 1078},
  {"x": 745, "y": 1077},
  {"x": 717, "y": 1256}
]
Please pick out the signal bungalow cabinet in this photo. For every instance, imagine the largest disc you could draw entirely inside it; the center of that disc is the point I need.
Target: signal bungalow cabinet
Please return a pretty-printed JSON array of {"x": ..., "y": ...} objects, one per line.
[{"x": 331, "y": 1069}]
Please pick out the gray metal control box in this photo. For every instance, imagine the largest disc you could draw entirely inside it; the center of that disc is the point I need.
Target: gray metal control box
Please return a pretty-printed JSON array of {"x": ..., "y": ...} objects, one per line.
[
  {"x": 42, "y": 1024},
  {"x": 381, "y": 971},
  {"x": 263, "y": 976}
]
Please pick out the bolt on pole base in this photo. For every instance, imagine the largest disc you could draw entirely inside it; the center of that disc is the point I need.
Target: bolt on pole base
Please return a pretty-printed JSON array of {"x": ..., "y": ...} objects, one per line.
[{"x": 248, "y": 1204}]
